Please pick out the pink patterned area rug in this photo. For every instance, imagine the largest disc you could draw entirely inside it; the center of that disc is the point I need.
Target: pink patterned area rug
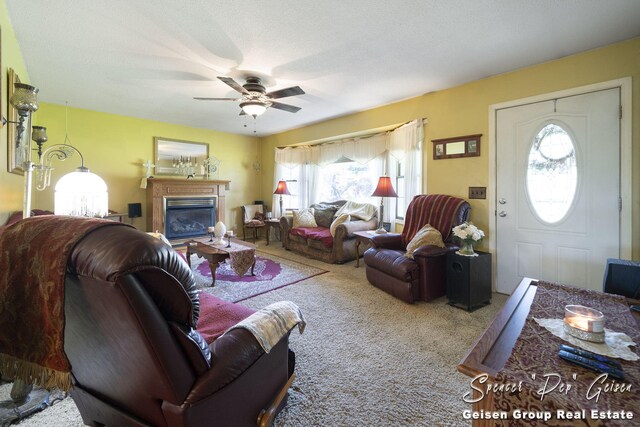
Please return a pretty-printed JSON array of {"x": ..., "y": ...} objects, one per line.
[{"x": 271, "y": 272}]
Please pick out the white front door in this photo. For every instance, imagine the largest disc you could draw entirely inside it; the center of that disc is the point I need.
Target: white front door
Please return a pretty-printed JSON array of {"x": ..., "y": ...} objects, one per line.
[{"x": 558, "y": 190}]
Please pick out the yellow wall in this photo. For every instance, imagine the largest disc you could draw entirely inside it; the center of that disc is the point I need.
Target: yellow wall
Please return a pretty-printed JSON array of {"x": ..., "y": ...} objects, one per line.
[
  {"x": 10, "y": 184},
  {"x": 464, "y": 110},
  {"x": 114, "y": 147}
]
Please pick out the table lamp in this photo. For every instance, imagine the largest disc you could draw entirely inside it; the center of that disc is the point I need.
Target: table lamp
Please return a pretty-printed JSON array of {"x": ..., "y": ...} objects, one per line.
[
  {"x": 281, "y": 189},
  {"x": 384, "y": 189}
]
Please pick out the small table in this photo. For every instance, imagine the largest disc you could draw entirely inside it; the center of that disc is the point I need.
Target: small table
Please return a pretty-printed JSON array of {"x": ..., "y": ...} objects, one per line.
[
  {"x": 217, "y": 254},
  {"x": 272, "y": 223},
  {"x": 469, "y": 280},
  {"x": 364, "y": 237}
]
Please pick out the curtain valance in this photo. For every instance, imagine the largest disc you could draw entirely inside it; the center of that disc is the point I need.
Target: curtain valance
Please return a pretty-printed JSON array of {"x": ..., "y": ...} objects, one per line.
[{"x": 406, "y": 138}]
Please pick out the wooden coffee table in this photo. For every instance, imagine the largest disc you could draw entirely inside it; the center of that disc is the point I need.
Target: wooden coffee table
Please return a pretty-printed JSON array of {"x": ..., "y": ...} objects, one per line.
[{"x": 215, "y": 254}]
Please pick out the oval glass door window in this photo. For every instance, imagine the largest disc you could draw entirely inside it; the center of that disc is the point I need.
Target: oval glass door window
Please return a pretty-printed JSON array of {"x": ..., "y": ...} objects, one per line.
[{"x": 552, "y": 174}]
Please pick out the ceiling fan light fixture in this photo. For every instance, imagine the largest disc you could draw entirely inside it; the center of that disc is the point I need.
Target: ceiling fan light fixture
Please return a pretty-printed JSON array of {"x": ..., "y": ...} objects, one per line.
[{"x": 253, "y": 108}]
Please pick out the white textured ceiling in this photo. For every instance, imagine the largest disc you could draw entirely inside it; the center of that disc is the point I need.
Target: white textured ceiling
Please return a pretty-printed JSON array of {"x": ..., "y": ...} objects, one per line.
[{"x": 149, "y": 58}]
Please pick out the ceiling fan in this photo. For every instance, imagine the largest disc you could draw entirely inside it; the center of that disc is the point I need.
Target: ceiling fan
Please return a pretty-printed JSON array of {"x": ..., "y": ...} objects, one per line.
[{"x": 255, "y": 99}]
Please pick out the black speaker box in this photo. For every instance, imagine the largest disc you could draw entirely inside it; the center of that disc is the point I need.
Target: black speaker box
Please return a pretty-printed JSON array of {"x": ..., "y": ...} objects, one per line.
[
  {"x": 622, "y": 277},
  {"x": 135, "y": 210}
]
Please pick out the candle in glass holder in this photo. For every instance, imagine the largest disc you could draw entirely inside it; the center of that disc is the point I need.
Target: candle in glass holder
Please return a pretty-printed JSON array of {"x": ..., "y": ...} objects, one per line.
[
  {"x": 211, "y": 229},
  {"x": 230, "y": 233},
  {"x": 584, "y": 323}
]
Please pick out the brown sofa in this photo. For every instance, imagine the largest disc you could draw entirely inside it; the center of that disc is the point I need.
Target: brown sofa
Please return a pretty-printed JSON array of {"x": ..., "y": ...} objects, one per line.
[
  {"x": 145, "y": 347},
  {"x": 317, "y": 243}
]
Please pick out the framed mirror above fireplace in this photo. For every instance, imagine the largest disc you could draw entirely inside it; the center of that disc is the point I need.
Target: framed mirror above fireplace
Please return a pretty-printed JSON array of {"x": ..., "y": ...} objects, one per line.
[{"x": 181, "y": 158}]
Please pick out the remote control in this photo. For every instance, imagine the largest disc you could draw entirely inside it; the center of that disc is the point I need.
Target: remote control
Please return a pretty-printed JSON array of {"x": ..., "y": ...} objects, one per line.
[
  {"x": 590, "y": 355},
  {"x": 592, "y": 364}
]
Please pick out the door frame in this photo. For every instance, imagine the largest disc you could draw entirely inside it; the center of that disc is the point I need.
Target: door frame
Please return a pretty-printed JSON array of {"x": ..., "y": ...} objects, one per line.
[{"x": 625, "y": 159}]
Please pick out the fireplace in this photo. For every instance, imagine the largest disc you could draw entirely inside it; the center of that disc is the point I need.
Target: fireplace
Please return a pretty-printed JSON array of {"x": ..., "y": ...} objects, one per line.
[
  {"x": 188, "y": 216},
  {"x": 207, "y": 196}
]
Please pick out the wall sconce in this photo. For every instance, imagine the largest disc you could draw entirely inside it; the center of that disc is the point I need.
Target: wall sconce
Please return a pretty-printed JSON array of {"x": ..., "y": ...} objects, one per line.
[
  {"x": 25, "y": 100},
  {"x": 79, "y": 193}
]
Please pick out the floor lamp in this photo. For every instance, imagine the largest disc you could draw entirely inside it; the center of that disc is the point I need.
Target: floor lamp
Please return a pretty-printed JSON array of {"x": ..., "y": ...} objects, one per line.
[
  {"x": 384, "y": 189},
  {"x": 79, "y": 193},
  {"x": 24, "y": 400},
  {"x": 280, "y": 190}
]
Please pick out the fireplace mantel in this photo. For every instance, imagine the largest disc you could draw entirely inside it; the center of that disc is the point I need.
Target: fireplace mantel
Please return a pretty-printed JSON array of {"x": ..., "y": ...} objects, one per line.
[{"x": 159, "y": 188}]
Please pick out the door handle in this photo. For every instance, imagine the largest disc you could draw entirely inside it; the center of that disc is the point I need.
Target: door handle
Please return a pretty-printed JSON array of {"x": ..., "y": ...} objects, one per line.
[{"x": 502, "y": 214}]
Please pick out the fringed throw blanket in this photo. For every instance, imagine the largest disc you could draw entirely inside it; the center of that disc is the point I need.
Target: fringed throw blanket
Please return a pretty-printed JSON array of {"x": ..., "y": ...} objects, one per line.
[
  {"x": 273, "y": 322},
  {"x": 33, "y": 261}
]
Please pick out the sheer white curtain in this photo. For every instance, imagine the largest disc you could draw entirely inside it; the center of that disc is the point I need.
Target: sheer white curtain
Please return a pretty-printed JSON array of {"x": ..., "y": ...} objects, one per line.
[
  {"x": 405, "y": 145},
  {"x": 305, "y": 166}
]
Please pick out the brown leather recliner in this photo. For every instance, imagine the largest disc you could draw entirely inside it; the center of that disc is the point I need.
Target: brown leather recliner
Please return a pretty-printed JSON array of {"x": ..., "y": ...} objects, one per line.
[
  {"x": 131, "y": 310},
  {"x": 424, "y": 277}
]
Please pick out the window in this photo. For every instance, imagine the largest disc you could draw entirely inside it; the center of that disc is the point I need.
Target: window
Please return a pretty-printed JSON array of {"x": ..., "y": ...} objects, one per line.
[
  {"x": 552, "y": 174},
  {"x": 401, "y": 206},
  {"x": 347, "y": 181}
]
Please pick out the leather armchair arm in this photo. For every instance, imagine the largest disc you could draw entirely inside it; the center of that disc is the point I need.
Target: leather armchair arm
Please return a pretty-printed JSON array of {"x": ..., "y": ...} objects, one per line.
[
  {"x": 433, "y": 251},
  {"x": 387, "y": 241},
  {"x": 232, "y": 354}
]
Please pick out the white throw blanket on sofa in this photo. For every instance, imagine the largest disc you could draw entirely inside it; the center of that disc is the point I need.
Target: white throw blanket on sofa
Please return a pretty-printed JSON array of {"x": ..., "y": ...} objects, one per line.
[
  {"x": 272, "y": 323},
  {"x": 364, "y": 211}
]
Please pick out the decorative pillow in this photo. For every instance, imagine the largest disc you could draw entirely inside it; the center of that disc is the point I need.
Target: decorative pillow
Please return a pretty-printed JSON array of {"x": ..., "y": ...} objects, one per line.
[
  {"x": 304, "y": 218},
  {"x": 324, "y": 214},
  {"x": 336, "y": 222},
  {"x": 427, "y": 235},
  {"x": 259, "y": 216}
]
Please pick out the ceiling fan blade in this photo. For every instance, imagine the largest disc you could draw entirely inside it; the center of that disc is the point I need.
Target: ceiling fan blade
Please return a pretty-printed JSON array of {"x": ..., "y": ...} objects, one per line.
[
  {"x": 234, "y": 85},
  {"x": 283, "y": 93},
  {"x": 285, "y": 107},
  {"x": 217, "y": 99}
]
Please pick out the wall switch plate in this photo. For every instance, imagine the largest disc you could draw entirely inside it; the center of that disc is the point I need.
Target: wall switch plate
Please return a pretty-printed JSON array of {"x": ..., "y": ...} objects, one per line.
[{"x": 477, "y": 192}]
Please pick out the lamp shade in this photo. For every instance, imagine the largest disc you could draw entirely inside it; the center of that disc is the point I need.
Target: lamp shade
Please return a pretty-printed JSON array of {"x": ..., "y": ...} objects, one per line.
[
  {"x": 81, "y": 193},
  {"x": 39, "y": 134},
  {"x": 282, "y": 188},
  {"x": 253, "y": 108},
  {"x": 25, "y": 97},
  {"x": 384, "y": 188}
]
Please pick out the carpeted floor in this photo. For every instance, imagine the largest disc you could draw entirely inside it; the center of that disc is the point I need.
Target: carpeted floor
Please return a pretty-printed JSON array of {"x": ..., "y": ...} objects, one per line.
[
  {"x": 365, "y": 358},
  {"x": 270, "y": 272}
]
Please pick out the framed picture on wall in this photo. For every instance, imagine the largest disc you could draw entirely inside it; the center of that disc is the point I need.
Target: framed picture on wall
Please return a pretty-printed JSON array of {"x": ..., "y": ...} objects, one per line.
[{"x": 18, "y": 150}]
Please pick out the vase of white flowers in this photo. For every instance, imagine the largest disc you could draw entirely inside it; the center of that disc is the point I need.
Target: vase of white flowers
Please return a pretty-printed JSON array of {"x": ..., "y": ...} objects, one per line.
[{"x": 469, "y": 235}]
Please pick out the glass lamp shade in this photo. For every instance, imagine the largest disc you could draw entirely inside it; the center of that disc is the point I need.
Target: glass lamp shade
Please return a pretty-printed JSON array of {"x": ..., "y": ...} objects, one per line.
[
  {"x": 282, "y": 188},
  {"x": 25, "y": 97},
  {"x": 81, "y": 193},
  {"x": 384, "y": 188},
  {"x": 253, "y": 108},
  {"x": 39, "y": 134}
]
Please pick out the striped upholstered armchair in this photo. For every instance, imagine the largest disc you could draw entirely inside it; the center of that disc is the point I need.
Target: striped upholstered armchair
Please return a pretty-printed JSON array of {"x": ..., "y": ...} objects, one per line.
[{"x": 424, "y": 276}]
